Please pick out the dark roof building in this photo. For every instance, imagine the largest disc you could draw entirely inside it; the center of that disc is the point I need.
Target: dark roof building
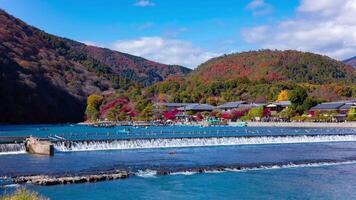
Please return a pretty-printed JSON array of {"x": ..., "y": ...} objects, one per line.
[
  {"x": 328, "y": 106},
  {"x": 279, "y": 103},
  {"x": 252, "y": 105},
  {"x": 197, "y": 107},
  {"x": 231, "y": 105},
  {"x": 347, "y": 106},
  {"x": 173, "y": 105}
]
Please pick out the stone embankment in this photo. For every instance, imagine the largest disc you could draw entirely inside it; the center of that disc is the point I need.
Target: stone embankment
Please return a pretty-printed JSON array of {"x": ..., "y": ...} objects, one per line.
[{"x": 56, "y": 180}]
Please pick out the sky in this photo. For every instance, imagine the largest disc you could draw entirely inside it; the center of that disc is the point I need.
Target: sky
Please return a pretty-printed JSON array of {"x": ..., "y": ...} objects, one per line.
[{"x": 189, "y": 32}]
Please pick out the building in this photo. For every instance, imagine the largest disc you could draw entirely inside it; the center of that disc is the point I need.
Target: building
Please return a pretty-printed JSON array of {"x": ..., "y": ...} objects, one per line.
[
  {"x": 231, "y": 105},
  {"x": 346, "y": 107},
  {"x": 276, "y": 107},
  {"x": 340, "y": 108},
  {"x": 197, "y": 107},
  {"x": 328, "y": 107},
  {"x": 171, "y": 106}
]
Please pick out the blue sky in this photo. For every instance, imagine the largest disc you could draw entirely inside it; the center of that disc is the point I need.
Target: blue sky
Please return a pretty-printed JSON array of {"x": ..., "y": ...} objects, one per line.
[{"x": 190, "y": 32}]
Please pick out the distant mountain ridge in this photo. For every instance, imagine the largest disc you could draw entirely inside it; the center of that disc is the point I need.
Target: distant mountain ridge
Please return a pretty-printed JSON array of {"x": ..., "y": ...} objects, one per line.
[
  {"x": 258, "y": 76},
  {"x": 351, "y": 62},
  {"x": 276, "y": 65},
  {"x": 46, "y": 79}
]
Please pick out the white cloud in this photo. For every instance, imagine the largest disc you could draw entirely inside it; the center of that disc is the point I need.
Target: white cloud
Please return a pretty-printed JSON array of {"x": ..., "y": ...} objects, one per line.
[
  {"x": 322, "y": 26},
  {"x": 168, "y": 51},
  {"x": 144, "y": 3},
  {"x": 259, "y": 7}
]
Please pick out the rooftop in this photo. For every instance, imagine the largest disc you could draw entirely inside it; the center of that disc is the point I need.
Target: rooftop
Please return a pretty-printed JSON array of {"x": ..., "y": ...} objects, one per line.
[
  {"x": 197, "y": 107},
  {"x": 279, "y": 103},
  {"x": 328, "y": 106},
  {"x": 230, "y": 105},
  {"x": 347, "y": 106},
  {"x": 176, "y": 105}
]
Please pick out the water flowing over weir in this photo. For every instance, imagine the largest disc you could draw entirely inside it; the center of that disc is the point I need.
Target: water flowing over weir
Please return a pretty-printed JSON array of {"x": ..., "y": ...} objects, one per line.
[
  {"x": 7, "y": 149},
  {"x": 66, "y": 146},
  {"x": 149, "y": 173}
]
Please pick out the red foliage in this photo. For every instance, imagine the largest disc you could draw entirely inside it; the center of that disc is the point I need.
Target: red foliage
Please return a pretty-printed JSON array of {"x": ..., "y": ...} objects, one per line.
[
  {"x": 274, "y": 76},
  {"x": 122, "y": 101},
  {"x": 225, "y": 115},
  {"x": 198, "y": 117},
  {"x": 169, "y": 115},
  {"x": 238, "y": 113},
  {"x": 266, "y": 112},
  {"x": 212, "y": 114}
]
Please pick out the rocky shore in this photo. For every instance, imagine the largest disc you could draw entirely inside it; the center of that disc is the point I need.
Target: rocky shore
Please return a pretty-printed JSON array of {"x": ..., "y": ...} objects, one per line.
[{"x": 56, "y": 180}]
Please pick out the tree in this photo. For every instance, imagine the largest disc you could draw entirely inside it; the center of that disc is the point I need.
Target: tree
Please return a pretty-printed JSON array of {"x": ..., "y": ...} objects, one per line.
[
  {"x": 147, "y": 113},
  {"x": 255, "y": 113},
  {"x": 298, "y": 96},
  {"x": 283, "y": 96},
  {"x": 351, "y": 114},
  {"x": 93, "y": 104},
  {"x": 309, "y": 102}
]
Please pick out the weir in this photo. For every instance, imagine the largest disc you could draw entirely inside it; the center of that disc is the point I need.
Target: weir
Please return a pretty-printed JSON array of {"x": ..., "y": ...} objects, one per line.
[
  {"x": 47, "y": 147},
  {"x": 28, "y": 144},
  {"x": 176, "y": 142}
]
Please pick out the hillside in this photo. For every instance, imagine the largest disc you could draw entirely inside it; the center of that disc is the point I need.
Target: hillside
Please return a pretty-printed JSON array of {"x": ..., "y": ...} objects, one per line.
[
  {"x": 276, "y": 66},
  {"x": 259, "y": 76},
  {"x": 46, "y": 79},
  {"x": 351, "y": 62}
]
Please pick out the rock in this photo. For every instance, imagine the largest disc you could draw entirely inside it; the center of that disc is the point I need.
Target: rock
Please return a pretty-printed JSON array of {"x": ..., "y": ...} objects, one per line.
[{"x": 46, "y": 180}]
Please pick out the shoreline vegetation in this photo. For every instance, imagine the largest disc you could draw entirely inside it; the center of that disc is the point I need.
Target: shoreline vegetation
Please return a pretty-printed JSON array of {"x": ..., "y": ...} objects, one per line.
[{"x": 22, "y": 194}]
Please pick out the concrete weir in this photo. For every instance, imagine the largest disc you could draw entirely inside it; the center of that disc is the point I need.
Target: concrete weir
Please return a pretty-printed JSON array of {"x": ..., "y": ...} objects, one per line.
[{"x": 39, "y": 146}]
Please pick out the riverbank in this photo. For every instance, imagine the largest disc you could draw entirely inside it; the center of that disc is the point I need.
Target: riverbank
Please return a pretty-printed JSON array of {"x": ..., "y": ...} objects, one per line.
[{"x": 299, "y": 124}]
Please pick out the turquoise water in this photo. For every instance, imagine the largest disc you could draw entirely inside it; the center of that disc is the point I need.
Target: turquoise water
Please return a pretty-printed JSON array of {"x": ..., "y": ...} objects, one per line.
[
  {"x": 318, "y": 165},
  {"x": 333, "y": 182}
]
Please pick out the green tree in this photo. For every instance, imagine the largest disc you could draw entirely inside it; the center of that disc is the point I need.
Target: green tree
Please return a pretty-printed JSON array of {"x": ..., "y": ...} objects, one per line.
[
  {"x": 147, "y": 113},
  {"x": 255, "y": 112},
  {"x": 298, "y": 95},
  {"x": 309, "y": 102},
  {"x": 297, "y": 98}
]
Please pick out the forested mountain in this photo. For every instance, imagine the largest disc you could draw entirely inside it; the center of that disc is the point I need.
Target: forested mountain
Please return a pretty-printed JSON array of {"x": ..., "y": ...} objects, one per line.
[
  {"x": 273, "y": 66},
  {"x": 46, "y": 79},
  {"x": 259, "y": 76},
  {"x": 351, "y": 62}
]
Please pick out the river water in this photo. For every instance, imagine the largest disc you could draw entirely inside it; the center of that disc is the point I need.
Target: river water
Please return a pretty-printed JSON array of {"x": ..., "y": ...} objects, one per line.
[{"x": 257, "y": 163}]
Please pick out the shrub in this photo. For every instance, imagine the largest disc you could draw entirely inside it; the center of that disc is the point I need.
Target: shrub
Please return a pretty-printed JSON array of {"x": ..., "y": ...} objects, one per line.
[
  {"x": 351, "y": 114},
  {"x": 22, "y": 194}
]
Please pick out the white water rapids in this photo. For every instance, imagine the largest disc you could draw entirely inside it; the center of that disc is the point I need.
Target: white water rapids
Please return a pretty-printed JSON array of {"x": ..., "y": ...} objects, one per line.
[
  {"x": 8, "y": 149},
  {"x": 196, "y": 142}
]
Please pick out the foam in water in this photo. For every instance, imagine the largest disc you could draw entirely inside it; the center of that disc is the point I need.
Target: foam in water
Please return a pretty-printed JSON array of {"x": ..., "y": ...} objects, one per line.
[
  {"x": 196, "y": 142},
  {"x": 291, "y": 165},
  {"x": 11, "y": 185},
  {"x": 149, "y": 173},
  {"x": 9, "y": 149},
  {"x": 185, "y": 173},
  {"x": 146, "y": 173}
]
